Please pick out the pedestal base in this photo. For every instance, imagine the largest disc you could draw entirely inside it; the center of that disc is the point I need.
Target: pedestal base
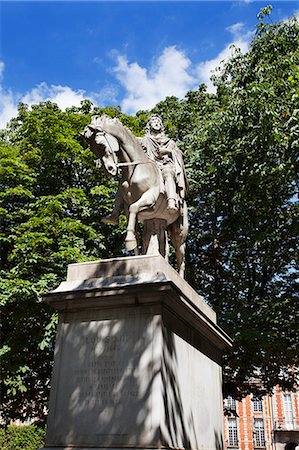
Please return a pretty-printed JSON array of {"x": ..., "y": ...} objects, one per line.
[{"x": 137, "y": 360}]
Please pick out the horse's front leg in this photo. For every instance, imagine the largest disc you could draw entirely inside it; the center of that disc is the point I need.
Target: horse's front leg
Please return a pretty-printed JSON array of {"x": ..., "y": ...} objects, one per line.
[{"x": 148, "y": 199}]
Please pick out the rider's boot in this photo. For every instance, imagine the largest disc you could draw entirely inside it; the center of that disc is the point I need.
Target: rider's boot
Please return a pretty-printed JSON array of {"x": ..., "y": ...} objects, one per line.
[
  {"x": 113, "y": 219},
  {"x": 170, "y": 188}
]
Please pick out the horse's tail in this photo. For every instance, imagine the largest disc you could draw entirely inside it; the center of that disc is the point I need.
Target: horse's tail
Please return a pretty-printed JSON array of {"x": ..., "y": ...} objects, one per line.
[
  {"x": 178, "y": 230},
  {"x": 178, "y": 233}
]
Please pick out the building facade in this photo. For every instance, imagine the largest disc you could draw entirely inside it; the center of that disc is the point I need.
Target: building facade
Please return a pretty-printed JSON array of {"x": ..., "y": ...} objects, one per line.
[{"x": 266, "y": 423}]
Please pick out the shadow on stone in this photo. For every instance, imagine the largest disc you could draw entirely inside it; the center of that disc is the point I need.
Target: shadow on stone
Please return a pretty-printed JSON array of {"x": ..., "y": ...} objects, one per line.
[
  {"x": 130, "y": 369},
  {"x": 219, "y": 445}
]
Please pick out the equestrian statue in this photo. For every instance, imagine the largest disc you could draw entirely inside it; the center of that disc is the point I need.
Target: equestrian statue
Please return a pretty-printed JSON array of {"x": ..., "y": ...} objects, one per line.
[{"x": 152, "y": 187}]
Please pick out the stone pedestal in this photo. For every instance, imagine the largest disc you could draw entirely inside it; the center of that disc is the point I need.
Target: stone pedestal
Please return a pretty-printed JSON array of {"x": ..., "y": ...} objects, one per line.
[{"x": 137, "y": 360}]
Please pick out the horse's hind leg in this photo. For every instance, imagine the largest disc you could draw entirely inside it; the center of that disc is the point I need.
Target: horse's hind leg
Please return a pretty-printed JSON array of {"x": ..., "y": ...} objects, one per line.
[
  {"x": 180, "y": 256},
  {"x": 148, "y": 199},
  {"x": 178, "y": 238},
  {"x": 179, "y": 248}
]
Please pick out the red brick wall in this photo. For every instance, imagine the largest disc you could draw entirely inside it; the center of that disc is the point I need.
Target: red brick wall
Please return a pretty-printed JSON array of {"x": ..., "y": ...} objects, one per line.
[{"x": 273, "y": 411}]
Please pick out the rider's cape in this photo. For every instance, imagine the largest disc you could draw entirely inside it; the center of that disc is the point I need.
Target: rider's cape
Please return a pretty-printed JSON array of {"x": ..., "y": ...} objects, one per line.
[{"x": 152, "y": 146}]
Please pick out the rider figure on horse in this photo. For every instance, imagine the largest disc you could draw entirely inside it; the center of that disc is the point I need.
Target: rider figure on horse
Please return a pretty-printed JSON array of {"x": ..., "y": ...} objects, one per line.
[
  {"x": 169, "y": 159},
  {"x": 164, "y": 151}
]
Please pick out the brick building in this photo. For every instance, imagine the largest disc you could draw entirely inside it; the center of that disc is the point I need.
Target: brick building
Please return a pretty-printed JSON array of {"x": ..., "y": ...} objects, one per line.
[{"x": 267, "y": 423}]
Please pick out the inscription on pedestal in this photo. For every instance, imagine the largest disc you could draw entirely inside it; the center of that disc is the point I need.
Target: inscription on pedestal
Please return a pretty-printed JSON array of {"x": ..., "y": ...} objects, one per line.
[
  {"x": 103, "y": 378},
  {"x": 105, "y": 371}
]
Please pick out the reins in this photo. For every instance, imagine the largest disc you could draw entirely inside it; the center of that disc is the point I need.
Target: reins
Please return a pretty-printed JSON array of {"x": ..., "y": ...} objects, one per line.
[{"x": 133, "y": 163}]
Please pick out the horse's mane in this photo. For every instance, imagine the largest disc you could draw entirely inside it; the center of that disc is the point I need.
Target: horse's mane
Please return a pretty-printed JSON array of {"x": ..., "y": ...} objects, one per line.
[
  {"x": 124, "y": 126},
  {"x": 96, "y": 120}
]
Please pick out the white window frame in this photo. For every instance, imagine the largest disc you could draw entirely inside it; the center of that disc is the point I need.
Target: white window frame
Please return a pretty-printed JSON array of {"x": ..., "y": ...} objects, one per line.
[
  {"x": 257, "y": 404},
  {"x": 232, "y": 432},
  {"x": 231, "y": 403},
  {"x": 288, "y": 410},
  {"x": 259, "y": 433}
]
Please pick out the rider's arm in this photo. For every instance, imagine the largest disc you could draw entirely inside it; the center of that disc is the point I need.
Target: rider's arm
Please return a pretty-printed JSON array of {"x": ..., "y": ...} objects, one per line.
[{"x": 168, "y": 149}]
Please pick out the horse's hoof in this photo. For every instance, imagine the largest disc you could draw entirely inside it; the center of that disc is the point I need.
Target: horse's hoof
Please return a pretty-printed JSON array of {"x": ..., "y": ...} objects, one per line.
[{"x": 130, "y": 245}]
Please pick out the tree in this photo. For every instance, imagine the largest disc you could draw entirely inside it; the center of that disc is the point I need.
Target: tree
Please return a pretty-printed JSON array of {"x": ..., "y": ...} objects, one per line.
[
  {"x": 52, "y": 197},
  {"x": 242, "y": 155}
]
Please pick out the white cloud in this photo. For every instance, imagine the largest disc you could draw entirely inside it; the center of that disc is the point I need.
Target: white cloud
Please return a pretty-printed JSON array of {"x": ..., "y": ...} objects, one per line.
[
  {"x": 206, "y": 69},
  {"x": 64, "y": 96},
  {"x": 106, "y": 96},
  {"x": 8, "y": 107},
  {"x": 241, "y": 40},
  {"x": 236, "y": 28},
  {"x": 169, "y": 75},
  {"x": 172, "y": 73},
  {"x": 239, "y": 32}
]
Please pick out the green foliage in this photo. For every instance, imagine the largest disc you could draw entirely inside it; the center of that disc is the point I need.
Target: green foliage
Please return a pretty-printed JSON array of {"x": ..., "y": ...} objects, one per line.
[
  {"x": 51, "y": 199},
  {"x": 241, "y": 147},
  {"x": 27, "y": 437}
]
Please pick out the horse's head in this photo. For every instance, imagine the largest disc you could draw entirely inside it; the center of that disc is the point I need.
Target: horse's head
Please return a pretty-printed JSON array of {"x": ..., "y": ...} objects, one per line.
[{"x": 104, "y": 146}]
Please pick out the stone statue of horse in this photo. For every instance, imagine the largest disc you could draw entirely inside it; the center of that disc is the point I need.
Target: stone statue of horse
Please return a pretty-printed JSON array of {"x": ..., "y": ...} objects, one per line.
[{"x": 140, "y": 187}]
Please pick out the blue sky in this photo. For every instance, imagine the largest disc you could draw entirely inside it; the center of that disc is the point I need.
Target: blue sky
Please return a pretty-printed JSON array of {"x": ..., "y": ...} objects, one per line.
[{"x": 131, "y": 54}]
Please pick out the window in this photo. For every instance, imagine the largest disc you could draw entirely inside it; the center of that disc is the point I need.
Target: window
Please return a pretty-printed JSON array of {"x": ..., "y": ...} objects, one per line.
[
  {"x": 232, "y": 432},
  {"x": 259, "y": 433},
  {"x": 288, "y": 411},
  {"x": 257, "y": 404},
  {"x": 231, "y": 403}
]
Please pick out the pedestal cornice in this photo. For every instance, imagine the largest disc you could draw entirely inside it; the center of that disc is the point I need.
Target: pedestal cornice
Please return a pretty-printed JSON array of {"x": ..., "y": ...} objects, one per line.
[{"x": 131, "y": 281}]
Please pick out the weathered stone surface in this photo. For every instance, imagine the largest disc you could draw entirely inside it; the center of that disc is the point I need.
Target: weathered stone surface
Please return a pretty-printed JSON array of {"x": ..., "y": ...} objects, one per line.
[
  {"x": 137, "y": 364},
  {"x": 140, "y": 273},
  {"x": 152, "y": 184}
]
